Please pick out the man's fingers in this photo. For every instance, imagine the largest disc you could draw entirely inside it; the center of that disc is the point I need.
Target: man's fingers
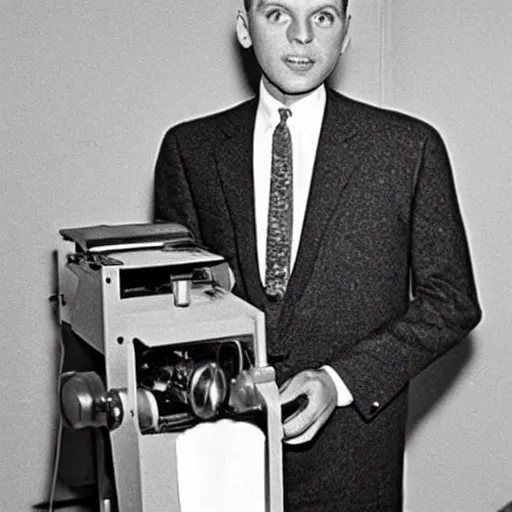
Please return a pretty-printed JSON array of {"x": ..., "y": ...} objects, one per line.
[
  {"x": 309, "y": 433},
  {"x": 290, "y": 409},
  {"x": 293, "y": 400},
  {"x": 301, "y": 424},
  {"x": 291, "y": 389},
  {"x": 284, "y": 386},
  {"x": 298, "y": 422}
]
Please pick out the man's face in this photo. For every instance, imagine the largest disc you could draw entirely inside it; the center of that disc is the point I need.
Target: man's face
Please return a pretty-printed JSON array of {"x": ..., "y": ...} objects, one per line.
[{"x": 296, "y": 42}]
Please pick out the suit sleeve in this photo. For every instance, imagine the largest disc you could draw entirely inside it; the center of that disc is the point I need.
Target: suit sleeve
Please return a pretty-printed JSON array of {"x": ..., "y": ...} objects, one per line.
[
  {"x": 173, "y": 199},
  {"x": 444, "y": 305}
]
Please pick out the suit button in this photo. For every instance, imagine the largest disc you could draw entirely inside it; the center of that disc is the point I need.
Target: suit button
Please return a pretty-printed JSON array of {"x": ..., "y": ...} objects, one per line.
[{"x": 374, "y": 407}]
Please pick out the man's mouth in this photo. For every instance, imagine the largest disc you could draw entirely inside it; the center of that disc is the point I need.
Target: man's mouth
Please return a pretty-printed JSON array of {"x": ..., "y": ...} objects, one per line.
[{"x": 298, "y": 62}]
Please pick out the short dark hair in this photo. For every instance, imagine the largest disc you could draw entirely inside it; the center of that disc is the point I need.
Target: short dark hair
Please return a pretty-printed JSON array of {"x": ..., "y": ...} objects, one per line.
[{"x": 248, "y": 3}]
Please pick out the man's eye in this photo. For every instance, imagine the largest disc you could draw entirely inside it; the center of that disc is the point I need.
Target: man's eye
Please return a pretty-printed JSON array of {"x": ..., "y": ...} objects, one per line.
[
  {"x": 276, "y": 16},
  {"x": 324, "y": 19}
]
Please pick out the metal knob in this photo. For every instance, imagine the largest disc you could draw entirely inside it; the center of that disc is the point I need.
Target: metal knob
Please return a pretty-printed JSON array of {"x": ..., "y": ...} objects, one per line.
[
  {"x": 79, "y": 395},
  {"x": 84, "y": 402},
  {"x": 208, "y": 389}
]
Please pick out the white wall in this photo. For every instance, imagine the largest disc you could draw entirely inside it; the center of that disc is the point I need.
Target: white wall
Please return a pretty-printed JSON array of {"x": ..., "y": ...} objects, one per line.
[
  {"x": 88, "y": 88},
  {"x": 451, "y": 63}
]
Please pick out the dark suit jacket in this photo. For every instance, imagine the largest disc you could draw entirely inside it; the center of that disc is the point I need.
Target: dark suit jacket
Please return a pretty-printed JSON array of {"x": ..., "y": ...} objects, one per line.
[{"x": 382, "y": 284}]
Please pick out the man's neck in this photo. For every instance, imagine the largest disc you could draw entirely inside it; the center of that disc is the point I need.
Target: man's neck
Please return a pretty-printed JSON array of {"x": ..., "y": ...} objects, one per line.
[{"x": 286, "y": 100}]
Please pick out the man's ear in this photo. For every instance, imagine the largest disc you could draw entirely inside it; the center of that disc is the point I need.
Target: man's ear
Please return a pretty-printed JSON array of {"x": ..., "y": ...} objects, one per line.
[
  {"x": 242, "y": 30},
  {"x": 346, "y": 35}
]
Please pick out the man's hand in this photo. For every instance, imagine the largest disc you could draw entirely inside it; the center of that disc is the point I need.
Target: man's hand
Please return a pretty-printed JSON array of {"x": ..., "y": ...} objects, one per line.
[{"x": 320, "y": 392}]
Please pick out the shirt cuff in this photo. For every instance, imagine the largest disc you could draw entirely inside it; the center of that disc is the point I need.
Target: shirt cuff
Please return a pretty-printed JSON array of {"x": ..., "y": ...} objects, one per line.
[{"x": 344, "y": 396}]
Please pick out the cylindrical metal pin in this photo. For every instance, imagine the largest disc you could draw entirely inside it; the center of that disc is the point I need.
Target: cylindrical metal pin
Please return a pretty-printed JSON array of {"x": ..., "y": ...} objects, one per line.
[{"x": 181, "y": 291}]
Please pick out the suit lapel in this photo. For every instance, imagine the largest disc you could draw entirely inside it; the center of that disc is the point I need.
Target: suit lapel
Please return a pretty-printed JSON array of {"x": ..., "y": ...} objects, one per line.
[
  {"x": 337, "y": 158},
  {"x": 235, "y": 166}
]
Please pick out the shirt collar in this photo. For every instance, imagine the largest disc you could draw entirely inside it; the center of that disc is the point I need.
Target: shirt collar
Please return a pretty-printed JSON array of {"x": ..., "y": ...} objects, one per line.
[{"x": 303, "y": 111}]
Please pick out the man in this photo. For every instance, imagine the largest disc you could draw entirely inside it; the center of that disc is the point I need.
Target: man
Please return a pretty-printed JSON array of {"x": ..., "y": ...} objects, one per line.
[{"x": 341, "y": 222}]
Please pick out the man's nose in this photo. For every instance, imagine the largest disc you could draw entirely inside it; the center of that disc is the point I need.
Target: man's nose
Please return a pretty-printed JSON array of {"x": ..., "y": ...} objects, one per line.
[{"x": 300, "y": 32}]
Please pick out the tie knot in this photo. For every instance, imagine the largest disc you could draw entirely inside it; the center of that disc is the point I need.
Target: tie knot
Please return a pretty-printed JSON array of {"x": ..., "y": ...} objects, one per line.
[{"x": 284, "y": 113}]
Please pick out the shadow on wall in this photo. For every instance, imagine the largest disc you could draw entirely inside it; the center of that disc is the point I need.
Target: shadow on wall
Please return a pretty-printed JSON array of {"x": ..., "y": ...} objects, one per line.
[
  {"x": 56, "y": 369},
  {"x": 429, "y": 387}
]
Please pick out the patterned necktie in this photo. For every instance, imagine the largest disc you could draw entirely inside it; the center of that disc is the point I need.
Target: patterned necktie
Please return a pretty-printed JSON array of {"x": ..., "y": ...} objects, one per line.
[{"x": 280, "y": 210}]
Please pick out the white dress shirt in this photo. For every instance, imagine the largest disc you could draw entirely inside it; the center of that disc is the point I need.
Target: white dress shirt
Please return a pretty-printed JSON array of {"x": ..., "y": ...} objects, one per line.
[{"x": 304, "y": 124}]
